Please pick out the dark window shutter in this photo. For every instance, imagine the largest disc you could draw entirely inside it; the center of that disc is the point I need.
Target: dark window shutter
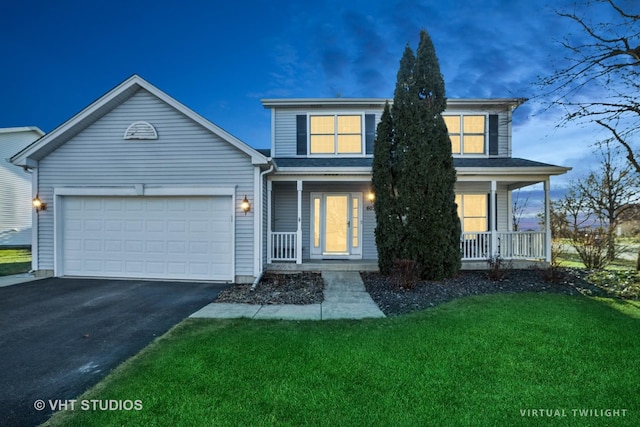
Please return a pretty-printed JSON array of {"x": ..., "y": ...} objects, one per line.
[
  {"x": 489, "y": 212},
  {"x": 493, "y": 134},
  {"x": 369, "y": 132},
  {"x": 495, "y": 209},
  {"x": 301, "y": 134}
]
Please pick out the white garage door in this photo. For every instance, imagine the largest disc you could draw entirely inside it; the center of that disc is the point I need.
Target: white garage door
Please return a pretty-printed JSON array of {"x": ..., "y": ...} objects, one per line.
[{"x": 148, "y": 237}]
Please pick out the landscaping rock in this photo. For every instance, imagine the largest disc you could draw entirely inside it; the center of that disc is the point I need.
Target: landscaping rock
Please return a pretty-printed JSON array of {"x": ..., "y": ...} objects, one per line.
[
  {"x": 394, "y": 301},
  {"x": 289, "y": 288}
]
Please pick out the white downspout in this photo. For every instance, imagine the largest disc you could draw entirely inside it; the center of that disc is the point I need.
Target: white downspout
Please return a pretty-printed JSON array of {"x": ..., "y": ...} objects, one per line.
[{"x": 260, "y": 222}]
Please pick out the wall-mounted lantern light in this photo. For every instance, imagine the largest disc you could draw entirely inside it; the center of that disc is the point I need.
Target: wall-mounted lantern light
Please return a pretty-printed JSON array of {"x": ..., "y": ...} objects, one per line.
[
  {"x": 38, "y": 204},
  {"x": 371, "y": 196},
  {"x": 245, "y": 205}
]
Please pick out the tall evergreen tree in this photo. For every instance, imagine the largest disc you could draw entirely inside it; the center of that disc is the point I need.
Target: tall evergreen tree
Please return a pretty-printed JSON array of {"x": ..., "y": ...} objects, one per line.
[
  {"x": 427, "y": 227},
  {"x": 383, "y": 183}
]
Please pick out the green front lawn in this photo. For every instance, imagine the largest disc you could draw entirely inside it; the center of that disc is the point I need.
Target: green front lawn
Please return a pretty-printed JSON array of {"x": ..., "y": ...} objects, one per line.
[
  {"x": 14, "y": 261},
  {"x": 476, "y": 361}
]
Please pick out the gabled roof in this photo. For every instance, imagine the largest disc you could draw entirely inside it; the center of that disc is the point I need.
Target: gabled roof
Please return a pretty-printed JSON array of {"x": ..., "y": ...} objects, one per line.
[
  {"x": 33, "y": 129},
  {"x": 379, "y": 102},
  {"x": 116, "y": 96}
]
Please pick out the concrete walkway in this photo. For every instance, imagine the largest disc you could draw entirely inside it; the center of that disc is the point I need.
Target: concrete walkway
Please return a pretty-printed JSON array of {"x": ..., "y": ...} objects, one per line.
[
  {"x": 17, "y": 278},
  {"x": 344, "y": 298}
]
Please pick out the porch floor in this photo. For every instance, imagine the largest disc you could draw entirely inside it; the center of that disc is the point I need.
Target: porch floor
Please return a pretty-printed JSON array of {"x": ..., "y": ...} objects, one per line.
[
  {"x": 372, "y": 265},
  {"x": 325, "y": 265}
]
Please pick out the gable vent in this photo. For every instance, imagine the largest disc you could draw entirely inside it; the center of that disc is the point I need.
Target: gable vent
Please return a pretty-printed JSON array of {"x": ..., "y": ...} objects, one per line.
[{"x": 141, "y": 130}]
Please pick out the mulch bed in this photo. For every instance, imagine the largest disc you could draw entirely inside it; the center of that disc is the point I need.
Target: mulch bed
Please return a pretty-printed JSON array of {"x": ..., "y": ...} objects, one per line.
[
  {"x": 306, "y": 288},
  {"x": 394, "y": 301},
  {"x": 290, "y": 288}
]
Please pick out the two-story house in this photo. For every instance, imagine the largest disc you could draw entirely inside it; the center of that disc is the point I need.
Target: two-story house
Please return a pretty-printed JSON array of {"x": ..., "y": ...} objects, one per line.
[
  {"x": 137, "y": 185},
  {"x": 320, "y": 204}
]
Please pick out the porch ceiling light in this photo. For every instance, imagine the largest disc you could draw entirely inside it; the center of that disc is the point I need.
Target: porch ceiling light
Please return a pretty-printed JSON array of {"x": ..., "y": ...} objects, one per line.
[
  {"x": 38, "y": 204},
  {"x": 245, "y": 205}
]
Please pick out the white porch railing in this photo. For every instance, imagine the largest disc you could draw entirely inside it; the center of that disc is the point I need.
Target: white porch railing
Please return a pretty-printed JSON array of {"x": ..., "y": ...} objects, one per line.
[
  {"x": 521, "y": 244},
  {"x": 283, "y": 246},
  {"x": 475, "y": 245},
  {"x": 510, "y": 245}
]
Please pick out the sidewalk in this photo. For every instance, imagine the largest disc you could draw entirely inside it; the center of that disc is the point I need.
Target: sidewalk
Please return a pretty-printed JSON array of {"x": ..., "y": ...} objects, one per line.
[
  {"x": 344, "y": 298},
  {"x": 17, "y": 278}
]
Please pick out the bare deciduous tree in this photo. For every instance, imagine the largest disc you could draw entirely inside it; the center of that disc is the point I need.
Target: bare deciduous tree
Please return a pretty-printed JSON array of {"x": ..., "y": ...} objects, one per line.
[
  {"x": 609, "y": 192},
  {"x": 600, "y": 80}
]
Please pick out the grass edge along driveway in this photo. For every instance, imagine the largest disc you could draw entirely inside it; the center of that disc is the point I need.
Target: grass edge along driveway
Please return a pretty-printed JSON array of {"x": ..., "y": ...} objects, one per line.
[{"x": 486, "y": 360}]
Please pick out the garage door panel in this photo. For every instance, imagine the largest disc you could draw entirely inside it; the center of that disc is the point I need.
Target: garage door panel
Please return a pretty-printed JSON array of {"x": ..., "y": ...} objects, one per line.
[{"x": 148, "y": 237}]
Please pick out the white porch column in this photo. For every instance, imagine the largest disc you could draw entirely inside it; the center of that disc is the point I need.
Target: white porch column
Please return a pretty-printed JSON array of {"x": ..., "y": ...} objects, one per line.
[
  {"x": 299, "y": 230},
  {"x": 547, "y": 220},
  {"x": 492, "y": 215},
  {"x": 269, "y": 220}
]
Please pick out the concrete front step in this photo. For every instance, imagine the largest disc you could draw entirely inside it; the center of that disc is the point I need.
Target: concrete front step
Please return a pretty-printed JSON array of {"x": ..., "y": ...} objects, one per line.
[{"x": 345, "y": 297}]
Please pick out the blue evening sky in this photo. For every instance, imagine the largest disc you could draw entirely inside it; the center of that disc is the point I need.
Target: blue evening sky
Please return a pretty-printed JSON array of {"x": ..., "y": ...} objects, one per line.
[{"x": 221, "y": 58}]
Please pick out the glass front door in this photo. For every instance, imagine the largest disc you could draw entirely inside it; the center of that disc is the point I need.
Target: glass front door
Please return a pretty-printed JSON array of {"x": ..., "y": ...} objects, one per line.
[{"x": 335, "y": 225}]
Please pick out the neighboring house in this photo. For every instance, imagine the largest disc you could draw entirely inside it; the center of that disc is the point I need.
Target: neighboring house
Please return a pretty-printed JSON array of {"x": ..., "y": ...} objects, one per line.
[
  {"x": 15, "y": 188},
  {"x": 138, "y": 185}
]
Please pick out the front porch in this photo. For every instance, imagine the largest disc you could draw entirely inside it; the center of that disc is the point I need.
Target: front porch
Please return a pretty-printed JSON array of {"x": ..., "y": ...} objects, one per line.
[
  {"x": 521, "y": 247},
  {"x": 298, "y": 224}
]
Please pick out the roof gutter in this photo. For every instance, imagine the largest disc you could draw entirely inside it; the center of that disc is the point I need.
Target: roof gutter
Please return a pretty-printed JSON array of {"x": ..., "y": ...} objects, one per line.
[{"x": 261, "y": 240}]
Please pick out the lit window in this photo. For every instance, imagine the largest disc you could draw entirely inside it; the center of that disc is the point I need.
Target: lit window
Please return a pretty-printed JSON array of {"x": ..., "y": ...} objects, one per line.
[
  {"x": 467, "y": 134},
  {"x": 335, "y": 134},
  {"x": 472, "y": 210}
]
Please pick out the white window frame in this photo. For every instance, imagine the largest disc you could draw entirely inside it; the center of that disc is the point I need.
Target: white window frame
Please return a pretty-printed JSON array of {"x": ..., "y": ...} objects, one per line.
[
  {"x": 460, "y": 133},
  {"x": 461, "y": 210},
  {"x": 335, "y": 134}
]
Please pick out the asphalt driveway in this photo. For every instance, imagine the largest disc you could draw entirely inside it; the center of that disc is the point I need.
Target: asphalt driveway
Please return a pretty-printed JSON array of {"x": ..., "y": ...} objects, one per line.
[{"x": 59, "y": 337}]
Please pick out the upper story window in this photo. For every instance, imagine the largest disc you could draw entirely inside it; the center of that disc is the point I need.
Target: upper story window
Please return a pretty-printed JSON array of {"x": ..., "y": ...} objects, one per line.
[
  {"x": 467, "y": 133},
  {"x": 335, "y": 134}
]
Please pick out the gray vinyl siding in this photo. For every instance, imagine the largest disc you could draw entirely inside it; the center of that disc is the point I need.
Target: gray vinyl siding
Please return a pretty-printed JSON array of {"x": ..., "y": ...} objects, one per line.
[
  {"x": 15, "y": 190},
  {"x": 185, "y": 154},
  {"x": 285, "y": 132},
  {"x": 285, "y": 206},
  {"x": 285, "y": 127},
  {"x": 265, "y": 217}
]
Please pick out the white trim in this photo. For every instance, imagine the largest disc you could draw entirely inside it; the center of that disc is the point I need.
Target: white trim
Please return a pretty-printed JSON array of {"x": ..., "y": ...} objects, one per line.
[
  {"x": 35, "y": 222},
  {"x": 147, "y": 191},
  {"x": 319, "y": 253},
  {"x": 335, "y": 114},
  {"x": 315, "y": 177},
  {"x": 379, "y": 102},
  {"x": 23, "y": 129},
  {"x": 299, "y": 225},
  {"x": 461, "y": 114},
  {"x": 269, "y": 228},
  {"x": 257, "y": 216},
  {"x": 547, "y": 218},
  {"x": 493, "y": 219},
  {"x": 510, "y": 210}
]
